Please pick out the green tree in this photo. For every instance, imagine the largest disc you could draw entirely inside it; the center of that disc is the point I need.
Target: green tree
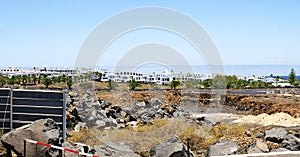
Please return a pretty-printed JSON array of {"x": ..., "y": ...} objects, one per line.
[
  {"x": 47, "y": 81},
  {"x": 292, "y": 78},
  {"x": 55, "y": 79},
  {"x": 258, "y": 84},
  {"x": 89, "y": 75},
  {"x": 133, "y": 84},
  {"x": 99, "y": 75},
  {"x": 69, "y": 82},
  {"x": 191, "y": 84},
  {"x": 241, "y": 84},
  {"x": 24, "y": 79},
  {"x": 14, "y": 80},
  {"x": 219, "y": 81},
  {"x": 277, "y": 78},
  {"x": 112, "y": 84},
  {"x": 207, "y": 83},
  {"x": 231, "y": 82},
  {"x": 174, "y": 84},
  {"x": 34, "y": 79},
  {"x": 3, "y": 80},
  {"x": 63, "y": 78},
  {"x": 39, "y": 79}
]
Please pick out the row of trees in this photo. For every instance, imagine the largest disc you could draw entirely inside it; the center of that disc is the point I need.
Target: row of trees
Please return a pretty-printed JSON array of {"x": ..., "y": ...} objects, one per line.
[
  {"x": 34, "y": 80},
  {"x": 132, "y": 84},
  {"x": 226, "y": 82},
  {"x": 219, "y": 81}
]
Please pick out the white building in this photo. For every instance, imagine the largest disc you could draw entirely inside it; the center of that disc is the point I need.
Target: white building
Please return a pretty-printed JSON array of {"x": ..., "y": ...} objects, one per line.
[{"x": 14, "y": 71}]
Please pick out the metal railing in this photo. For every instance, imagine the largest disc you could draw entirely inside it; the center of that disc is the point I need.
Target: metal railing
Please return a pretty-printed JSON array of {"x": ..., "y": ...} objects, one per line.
[{"x": 56, "y": 147}]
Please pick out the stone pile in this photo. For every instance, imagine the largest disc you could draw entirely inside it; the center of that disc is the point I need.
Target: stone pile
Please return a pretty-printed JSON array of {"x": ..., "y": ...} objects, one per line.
[
  {"x": 105, "y": 115},
  {"x": 44, "y": 130},
  {"x": 285, "y": 141},
  {"x": 47, "y": 131},
  {"x": 171, "y": 148},
  {"x": 281, "y": 136}
]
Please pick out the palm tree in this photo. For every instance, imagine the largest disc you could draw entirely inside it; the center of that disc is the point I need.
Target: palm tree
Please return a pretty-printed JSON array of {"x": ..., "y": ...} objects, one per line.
[
  {"x": 112, "y": 84},
  {"x": 47, "y": 81},
  {"x": 24, "y": 79},
  {"x": 207, "y": 83},
  {"x": 55, "y": 79},
  {"x": 174, "y": 84},
  {"x": 133, "y": 84},
  {"x": 34, "y": 79},
  {"x": 69, "y": 82},
  {"x": 39, "y": 79},
  {"x": 3, "y": 80},
  {"x": 63, "y": 78},
  {"x": 14, "y": 80}
]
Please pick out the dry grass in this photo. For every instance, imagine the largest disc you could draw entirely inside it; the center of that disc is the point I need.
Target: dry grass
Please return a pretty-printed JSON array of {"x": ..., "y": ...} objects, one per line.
[
  {"x": 203, "y": 137},
  {"x": 157, "y": 123},
  {"x": 141, "y": 139},
  {"x": 2, "y": 149}
]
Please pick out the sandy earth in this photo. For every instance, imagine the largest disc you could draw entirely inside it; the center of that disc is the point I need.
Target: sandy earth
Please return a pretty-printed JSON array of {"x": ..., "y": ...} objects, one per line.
[{"x": 280, "y": 119}]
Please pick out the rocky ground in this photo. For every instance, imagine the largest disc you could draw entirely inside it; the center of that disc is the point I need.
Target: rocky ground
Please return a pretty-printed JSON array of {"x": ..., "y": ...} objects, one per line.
[
  {"x": 160, "y": 122},
  {"x": 218, "y": 112}
]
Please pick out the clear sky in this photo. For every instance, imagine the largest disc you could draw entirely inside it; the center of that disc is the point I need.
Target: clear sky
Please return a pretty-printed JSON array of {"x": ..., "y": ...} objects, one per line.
[{"x": 246, "y": 32}]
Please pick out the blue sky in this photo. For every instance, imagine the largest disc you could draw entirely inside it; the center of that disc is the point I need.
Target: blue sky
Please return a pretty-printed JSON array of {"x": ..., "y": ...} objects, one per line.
[{"x": 246, "y": 32}]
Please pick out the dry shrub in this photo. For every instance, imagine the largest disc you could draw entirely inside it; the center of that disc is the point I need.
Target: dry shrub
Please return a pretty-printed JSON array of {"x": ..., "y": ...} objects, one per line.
[
  {"x": 143, "y": 138},
  {"x": 203, "y": 137},
  {"x": 140, "y": 140},
  {"x": 85, "y": 136},
  {"x": 157, "y": 123},
  {"x": 196, "y": 139},
  {"x": 2, "y": 149}
]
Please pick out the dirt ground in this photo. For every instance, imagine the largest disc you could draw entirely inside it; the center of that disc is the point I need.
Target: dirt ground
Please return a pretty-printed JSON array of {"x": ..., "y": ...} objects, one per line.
[
  {"x": 242, "y": 104},
  {"x": 270, "y": 104}
]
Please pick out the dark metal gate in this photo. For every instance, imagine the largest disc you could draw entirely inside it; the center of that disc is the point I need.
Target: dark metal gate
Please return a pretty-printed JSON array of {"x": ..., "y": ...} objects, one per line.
[{"x": 21, "y": 107}]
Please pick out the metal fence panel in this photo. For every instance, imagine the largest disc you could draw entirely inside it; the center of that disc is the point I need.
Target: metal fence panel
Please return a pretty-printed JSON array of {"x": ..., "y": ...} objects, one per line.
[
  {"x": 20, "y": 107},
  {"x": 5, "y": 107}
]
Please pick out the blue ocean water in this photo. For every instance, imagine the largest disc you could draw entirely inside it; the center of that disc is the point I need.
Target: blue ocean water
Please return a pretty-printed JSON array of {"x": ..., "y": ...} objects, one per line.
[{"x": 286, "y": 77}]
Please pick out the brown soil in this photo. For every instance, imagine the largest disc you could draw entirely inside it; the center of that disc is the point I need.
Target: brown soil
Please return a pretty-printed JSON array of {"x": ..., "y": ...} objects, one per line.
[
  {"x": 270, "y": 104},
  {"x": 243, "y": 104}
]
